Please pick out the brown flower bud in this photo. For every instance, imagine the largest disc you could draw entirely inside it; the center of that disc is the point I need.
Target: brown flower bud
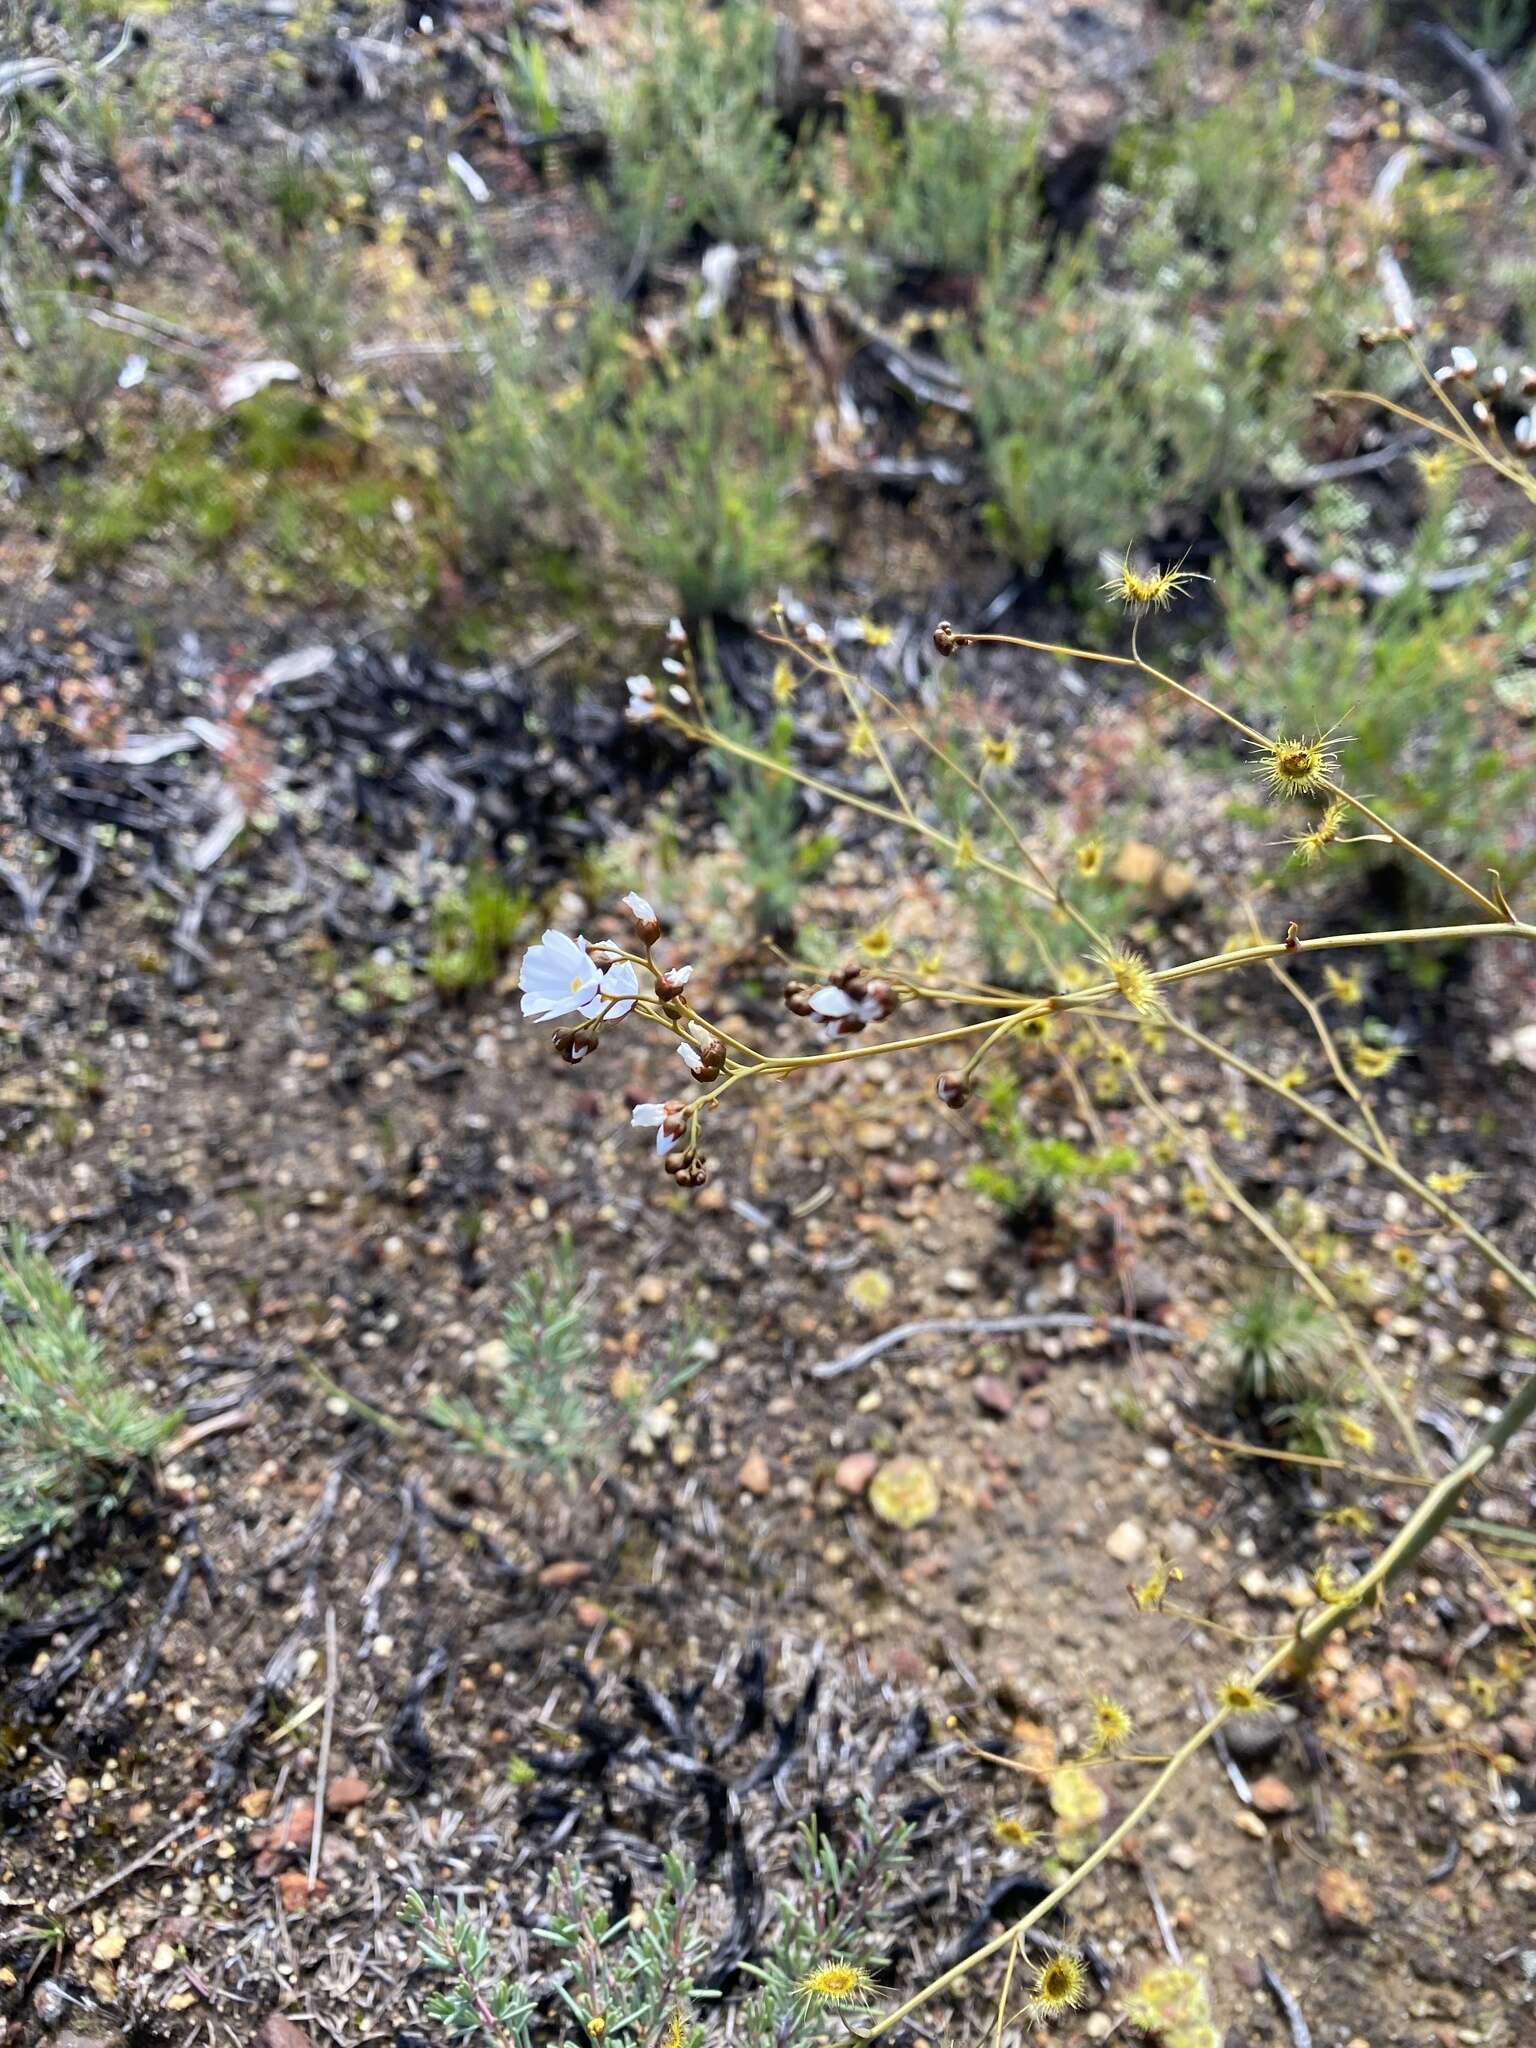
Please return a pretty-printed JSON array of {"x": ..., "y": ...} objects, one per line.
[
  {"x": 574, "y": 1043},
  {"x": 668, "y": 990},
  {"x": 954, "y": 1091},
  {"x": 797, "y": 999},
  {"x": 883, "y": 996},
  {"x": 710, "y": 1058},
  {"x": 945, "y": 638}
]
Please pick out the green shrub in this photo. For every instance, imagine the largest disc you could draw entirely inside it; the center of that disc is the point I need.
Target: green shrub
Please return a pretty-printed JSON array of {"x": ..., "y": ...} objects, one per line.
[
  {"x": 946, "y": 192},
  {"x": 1025, "y": 1175},
  {"x": 687, "y": 458},
  {"x": 300, "y": 283},
  {"x": 694, "y": 141},
  {"x": 763, "y": 816},
  {"x": 473, "y": 929},
  {"x": 73, "y": 1435},
  {"x": 636, "y": 1981},
  {"x": 73, "y": 365},
  {"x": 504, "y": 462},
  {"x": 1153, "y": 366},
  {"x": 1275, "y": 1345},
  {"x": 1428, "y": 735},
  {"x": 544, "y": 1419}
]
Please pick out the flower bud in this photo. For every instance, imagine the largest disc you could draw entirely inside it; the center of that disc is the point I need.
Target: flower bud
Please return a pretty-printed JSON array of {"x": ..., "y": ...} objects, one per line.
[
  {"x": 954, "y": 1091},
  {"x": 797, "y": 999},
  {"x": 574, "y": 1043},
  {"x": 1525, "y": 433},
  {"x": 945, "y": 638}
]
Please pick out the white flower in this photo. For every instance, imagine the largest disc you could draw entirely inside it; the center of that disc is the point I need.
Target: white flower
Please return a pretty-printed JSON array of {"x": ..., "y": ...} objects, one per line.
[
  {"x": 845, "y": 1014},
  {"x": 1525, "y": 433},
  {"x": 1463, "y": 362},
  {"x": 558, "y": 976},
  {"x": 617, "y": 992},
  {"x": 642, "y": 699},
  {"x": 834, "y": 1002},
  {"x": 638, "y": 908},
  {"x": 678, "y": 976},
  {"x": 691, "y": 1058},
  {"x": 647, "y": 1116}
]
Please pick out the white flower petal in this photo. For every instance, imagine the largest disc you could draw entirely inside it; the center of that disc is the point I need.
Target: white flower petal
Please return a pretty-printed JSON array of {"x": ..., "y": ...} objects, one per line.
[
  {"x": 645, "y": 1116},
  {"x": 665, "y": 1140},
  {"x": 556, "y": 977},
  {"x": 691, "y": 1058},
  {"x": 679, "y": 976},
  {"x": 638, "y": 908},
  {"x": 617, "y": 991},
  {"x": 832, "y": 1002}
]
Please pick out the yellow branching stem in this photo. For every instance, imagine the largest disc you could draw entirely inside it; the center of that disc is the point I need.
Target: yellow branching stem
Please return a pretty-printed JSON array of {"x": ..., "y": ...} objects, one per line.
[{"x": 1116, "y": 987}]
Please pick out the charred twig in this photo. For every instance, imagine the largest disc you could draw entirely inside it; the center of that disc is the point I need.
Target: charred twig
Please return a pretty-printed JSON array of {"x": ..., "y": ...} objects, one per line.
[
  {"x": 1228, "y": 1762},
  {"x": 1170, "y": 1940},
  {"x": 1385, "y": 583},
  {"x": 1286, "y": 2006},
  {"x": 1493, "y": 99},
  {"x": 323, "y": 1764},
  {"x": 65, "y": 193},
  {"x": 408, "y": 1738},
  {"x": 990, "y": 1326},
  {"x": 274, "y": 1682},
  {"x": 1426, "y": 126},
  {"x": 139, "y": 1863}
]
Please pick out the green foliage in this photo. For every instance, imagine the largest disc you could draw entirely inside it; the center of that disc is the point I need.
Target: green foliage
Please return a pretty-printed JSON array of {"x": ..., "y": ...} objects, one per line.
[
  {"x": 73, "y": 365},
  {"x": 529, "y": 87},
  {"x": 502, "y": 461},
  {"x": 543, "y": 1420},
  {"x": 694, "y": 142},
  {"x": 1438, "y": 210},
  {"x": 1418, "y": 677},
  {"x": 637, "y": 1978},
  {"x": 947, "y": 191},
  {"x": 1025, "y": 1175},
  {"x": 763, "y": 817},
  {"x": 1144, "y": 372},
  {"x": 182, "y": 486},
  {"x": 301, "y": 285},
  {"x": 688, "y": 458},
  {"x": 71, "y": 1432},
  {"x": 473, "y": 929},
  {"x": 1275, "y": 1345}
]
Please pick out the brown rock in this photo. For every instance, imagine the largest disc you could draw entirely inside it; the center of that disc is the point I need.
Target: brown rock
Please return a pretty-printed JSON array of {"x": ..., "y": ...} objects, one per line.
[
  {"x": 855, "y": 1472},
  {"x": 342, "y": 1794},
  {"x": 993, "y": 1394},
  {"x": 566, "y": 1571},
  {"x": 1272, "y": 1796},
  {"x": 755, "y": 1476},
  {"x": 297, "y": 1893},
  {"x": 289, "y": 1833},
  {"x": 1344, "y": 1902},
  {"x": 278, "y": 2031}
]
